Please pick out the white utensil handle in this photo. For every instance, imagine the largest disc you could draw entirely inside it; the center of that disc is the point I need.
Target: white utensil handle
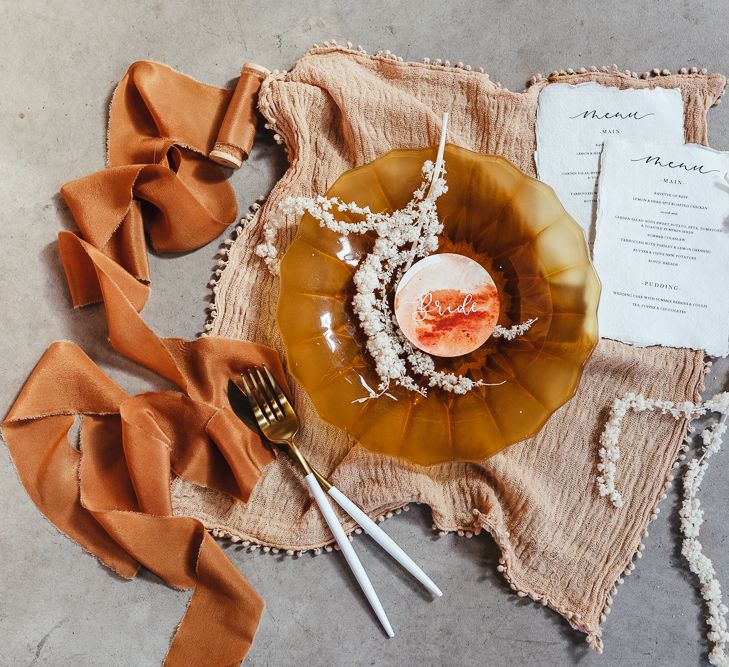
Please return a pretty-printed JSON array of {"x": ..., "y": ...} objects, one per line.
[
  {"x": 348, "y": 551},
  {"x": 384, "y": 540}
]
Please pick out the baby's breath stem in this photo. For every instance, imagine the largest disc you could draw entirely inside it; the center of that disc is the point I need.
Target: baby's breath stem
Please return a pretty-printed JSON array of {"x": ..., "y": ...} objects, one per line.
[
  {"x": 691, "y": 514},
  {"x": 400, "y": 236}
]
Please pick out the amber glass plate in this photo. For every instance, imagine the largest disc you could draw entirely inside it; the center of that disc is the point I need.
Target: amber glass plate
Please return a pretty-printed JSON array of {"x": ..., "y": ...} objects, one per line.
[{"x": 516, "y": 228}]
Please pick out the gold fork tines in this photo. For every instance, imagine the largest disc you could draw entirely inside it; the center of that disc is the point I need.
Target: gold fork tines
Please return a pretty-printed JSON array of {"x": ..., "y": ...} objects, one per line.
[{"x": 275, "y": 415}]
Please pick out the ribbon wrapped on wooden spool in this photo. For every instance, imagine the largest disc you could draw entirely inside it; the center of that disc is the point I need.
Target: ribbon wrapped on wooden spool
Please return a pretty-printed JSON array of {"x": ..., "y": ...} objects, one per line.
[{"x": 237, "y": 131}]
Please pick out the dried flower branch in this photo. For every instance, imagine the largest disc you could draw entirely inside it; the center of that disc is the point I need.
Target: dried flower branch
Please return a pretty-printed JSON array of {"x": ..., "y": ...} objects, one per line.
[
  {"x": 513, "y": 332},
  {"x": 691, "y": 514},
  {"x": 401, "y": 237}
]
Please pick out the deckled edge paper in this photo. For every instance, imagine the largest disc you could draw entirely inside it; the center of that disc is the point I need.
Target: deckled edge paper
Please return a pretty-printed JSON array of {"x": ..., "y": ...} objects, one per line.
[
  {"x": 572, "y": 123},
  {"x": 662, "y": 245}
]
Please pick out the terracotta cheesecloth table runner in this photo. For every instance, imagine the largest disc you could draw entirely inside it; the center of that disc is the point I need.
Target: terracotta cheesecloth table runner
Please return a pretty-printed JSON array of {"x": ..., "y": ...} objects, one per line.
[
  {"x": 150, "y": 468},
  {"x": 561, "y": 543}
]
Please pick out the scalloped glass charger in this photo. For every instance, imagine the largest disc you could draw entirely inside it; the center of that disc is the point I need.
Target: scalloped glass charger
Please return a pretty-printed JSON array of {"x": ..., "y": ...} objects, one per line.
[{"x": 516, "y": 228}]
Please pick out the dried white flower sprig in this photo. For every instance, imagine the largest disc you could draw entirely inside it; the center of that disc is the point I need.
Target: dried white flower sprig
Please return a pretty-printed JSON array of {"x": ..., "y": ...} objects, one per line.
[
  {"x": 267, "y": 250},
  {"x": 513, "y": 332},
  {"x": 691, "y": 514},
  {"x": 609, "y": 452},
  {"x": 401, "y": 237}
]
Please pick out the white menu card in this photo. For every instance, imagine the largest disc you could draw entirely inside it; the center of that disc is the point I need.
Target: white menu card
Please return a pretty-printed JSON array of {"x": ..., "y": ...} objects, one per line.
[
  {"x": 662, "y": 245},
  {"x": 574, "y": 121}
]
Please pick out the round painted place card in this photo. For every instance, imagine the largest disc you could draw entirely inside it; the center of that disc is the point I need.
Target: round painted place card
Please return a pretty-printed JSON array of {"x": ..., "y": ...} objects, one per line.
[{"x": 447, "y": 305}]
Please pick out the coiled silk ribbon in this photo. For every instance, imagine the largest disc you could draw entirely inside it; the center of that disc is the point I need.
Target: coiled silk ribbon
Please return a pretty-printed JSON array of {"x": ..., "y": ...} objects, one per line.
[{"x": 112, "y": 493}]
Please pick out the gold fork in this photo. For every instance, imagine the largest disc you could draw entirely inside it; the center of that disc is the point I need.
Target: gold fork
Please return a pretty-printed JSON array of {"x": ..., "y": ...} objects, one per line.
[
  {"x": 274, "y": 402},
  {"x": 279, "y": 423},
  {"x": 279, "y": 406}
]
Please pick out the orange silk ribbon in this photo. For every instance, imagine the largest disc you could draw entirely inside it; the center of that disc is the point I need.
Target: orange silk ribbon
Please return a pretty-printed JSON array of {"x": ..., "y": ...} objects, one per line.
[{"x": 112, "y": 494}]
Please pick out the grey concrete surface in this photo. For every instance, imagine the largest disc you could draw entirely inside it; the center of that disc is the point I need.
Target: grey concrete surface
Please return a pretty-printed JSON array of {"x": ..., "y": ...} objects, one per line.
[{"x": 58, "y": 64}]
